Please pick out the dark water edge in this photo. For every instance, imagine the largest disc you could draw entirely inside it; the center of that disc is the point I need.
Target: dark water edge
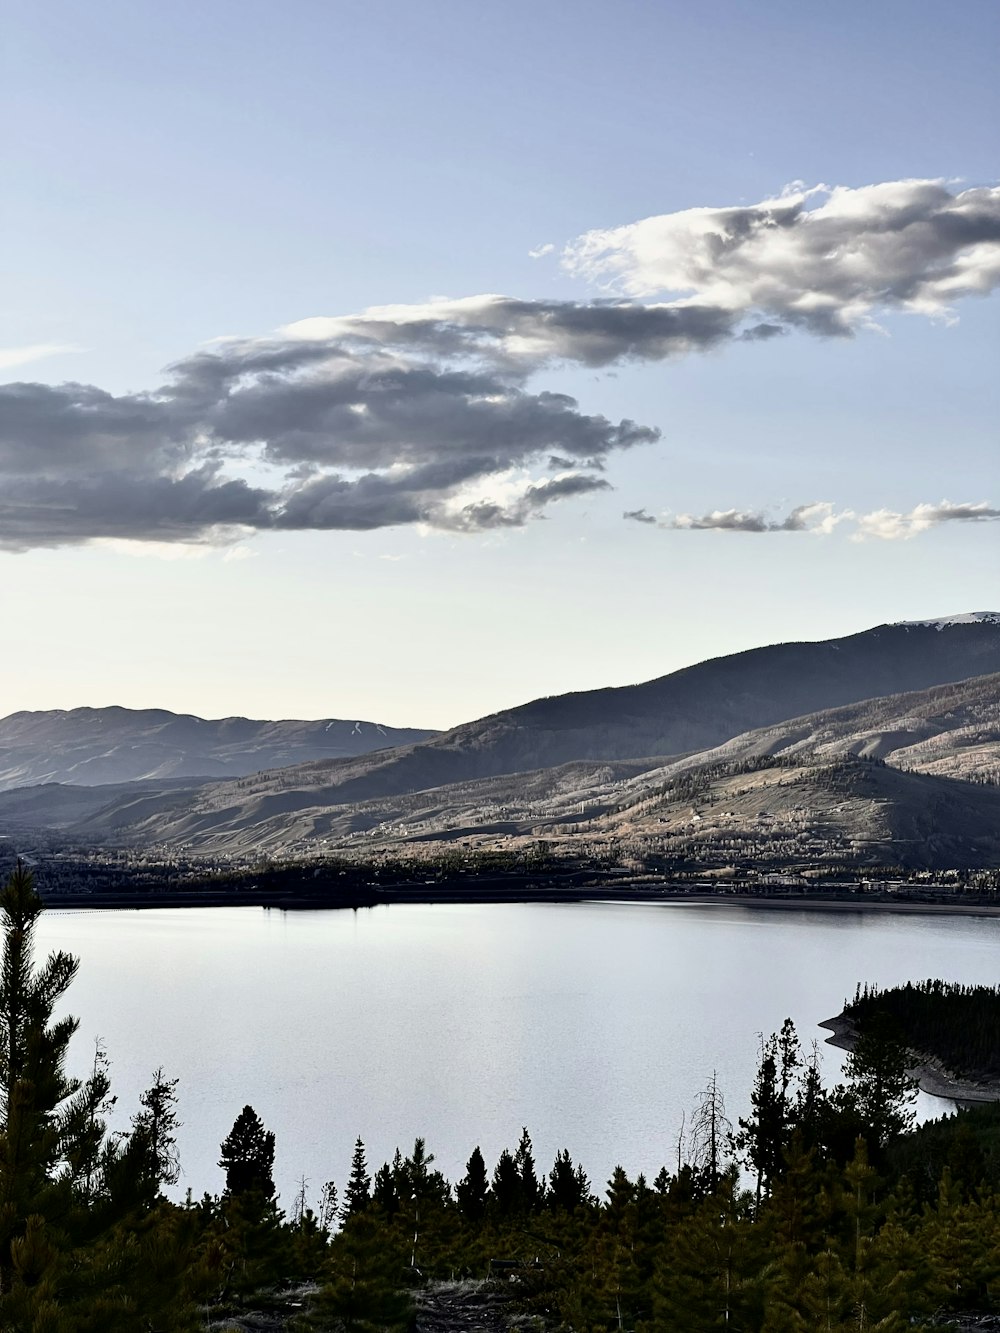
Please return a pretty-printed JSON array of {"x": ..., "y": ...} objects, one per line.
[{"x": 330, "y": 898}]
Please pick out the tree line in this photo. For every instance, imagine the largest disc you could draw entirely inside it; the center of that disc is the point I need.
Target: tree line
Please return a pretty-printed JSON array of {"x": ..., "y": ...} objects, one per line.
[{"x": 956, "y": 1024}]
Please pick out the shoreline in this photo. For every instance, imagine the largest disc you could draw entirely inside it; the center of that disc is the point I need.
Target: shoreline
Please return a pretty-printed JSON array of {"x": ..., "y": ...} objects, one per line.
[
  {"x": 931, "y": 1077},
  {"x": 486, "y": 892}
]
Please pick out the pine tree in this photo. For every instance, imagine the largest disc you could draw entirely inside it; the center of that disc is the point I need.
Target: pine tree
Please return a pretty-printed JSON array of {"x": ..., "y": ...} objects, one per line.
[
  {"x": 255, "y": 1249},
  {"x": 532, "y": 1189},
  {"x": 362, "y": 1289},
  {"x": 473, "y": 1189},
  {"x": 763, "y": 1136},
  {"x": 385, "y": 1191},
  {"x": 84, "y": 1243},
  {"x": 569, "y": 1187},
  {"x": 506, "y": 1186},
  {"x": 357, "y": 1195},
  {"x": 248, "y": 1157},
  {"x": 880, "y": 1087}
]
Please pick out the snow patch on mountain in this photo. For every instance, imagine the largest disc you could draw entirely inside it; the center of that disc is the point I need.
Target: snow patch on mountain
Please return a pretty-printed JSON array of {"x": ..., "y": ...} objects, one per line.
[{"x": 963, "y": 618}]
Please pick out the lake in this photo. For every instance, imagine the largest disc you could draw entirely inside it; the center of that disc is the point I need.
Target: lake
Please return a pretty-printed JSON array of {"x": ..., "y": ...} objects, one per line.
[{"x": 594, "y": 1024}]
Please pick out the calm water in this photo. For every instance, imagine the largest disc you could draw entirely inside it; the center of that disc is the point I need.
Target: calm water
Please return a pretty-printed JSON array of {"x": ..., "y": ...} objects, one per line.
[{"x": 595, "y": 1025}]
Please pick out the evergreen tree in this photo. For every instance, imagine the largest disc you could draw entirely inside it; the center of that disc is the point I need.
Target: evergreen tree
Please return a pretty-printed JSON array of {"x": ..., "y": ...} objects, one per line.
[
  {"x": 362, "y": 1287},
  {"x": 506, "y": 1186},
  {"x": 473, "y": 1189},
  {"x": 357, "y": 1195},
  {"x": 138, "y": 1166},
  {"x": 532, "y": 1189},
  {"x": 157, "y": 1123},
  {"x": 255, "y": 1251},
  {"x": 763, "y": 1136},
  {"x": 569, "y": 1187},
  {"x": 35, "y": 1092},
  {"x": 248, "y": 1157},
  {"x": 84, "y": 1245},
  {"x": 385, "y": 1191},
  {"x": 880, "y": 1087},
  {"x": 417, "y": 1180}
]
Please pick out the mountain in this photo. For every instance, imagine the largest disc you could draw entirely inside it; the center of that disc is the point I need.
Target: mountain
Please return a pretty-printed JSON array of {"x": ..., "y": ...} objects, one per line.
[
  {"x": 689, "y": 710},
  {"x": 88, "y": 746},
  {"x": 803, "y": 811},
  {"x": 948, "y": 731},
  {"x": 807, "y": 787}
]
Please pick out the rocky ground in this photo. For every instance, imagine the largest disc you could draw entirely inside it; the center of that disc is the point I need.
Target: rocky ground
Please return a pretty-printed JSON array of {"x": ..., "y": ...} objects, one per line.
[{"x": 441, "y": 1307}]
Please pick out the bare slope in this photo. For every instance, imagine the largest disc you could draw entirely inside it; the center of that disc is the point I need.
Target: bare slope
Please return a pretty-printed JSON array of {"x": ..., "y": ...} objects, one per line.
[
  {"x": 87, "y": 746},
  {"x": 803, "y": 811},
  {"x": 951, "y": 730}
]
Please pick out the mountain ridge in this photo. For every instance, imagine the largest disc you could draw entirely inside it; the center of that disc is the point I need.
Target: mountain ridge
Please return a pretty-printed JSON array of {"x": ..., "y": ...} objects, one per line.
[
  {"x": 588, "y": 799},
  {"x": 96, "y": 746},
  {"x": 688, "y": 710}
]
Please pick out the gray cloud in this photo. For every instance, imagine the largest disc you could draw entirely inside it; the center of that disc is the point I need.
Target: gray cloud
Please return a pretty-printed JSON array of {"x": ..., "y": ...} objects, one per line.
[
  {"x": 196, "y": 506},
  {"x": 820, "y": 517},
  {"x": 426, "y": 414},
  {"x": 726, "y": 520},
  {"x": 484, "y": 515},
  {"x": 357, "y": 439},
  {"x": 521, "y": 336},
  {"x": 817, "y": 516}
]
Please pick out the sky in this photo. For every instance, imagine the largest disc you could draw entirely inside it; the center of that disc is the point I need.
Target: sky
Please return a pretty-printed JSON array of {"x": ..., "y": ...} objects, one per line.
[{"x": 406, "y": 362}]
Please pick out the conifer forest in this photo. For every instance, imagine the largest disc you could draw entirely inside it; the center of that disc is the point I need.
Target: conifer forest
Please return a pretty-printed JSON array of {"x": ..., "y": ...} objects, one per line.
[{"x": 823, "y": 1210}]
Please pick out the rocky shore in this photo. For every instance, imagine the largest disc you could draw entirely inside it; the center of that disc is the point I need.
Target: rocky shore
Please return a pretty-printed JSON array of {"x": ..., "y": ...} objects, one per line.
[{"x": 929, "y": 1073}]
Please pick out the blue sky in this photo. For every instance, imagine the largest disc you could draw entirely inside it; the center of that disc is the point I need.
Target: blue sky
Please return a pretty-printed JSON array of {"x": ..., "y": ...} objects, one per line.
[{"x": 183, "y": 174}]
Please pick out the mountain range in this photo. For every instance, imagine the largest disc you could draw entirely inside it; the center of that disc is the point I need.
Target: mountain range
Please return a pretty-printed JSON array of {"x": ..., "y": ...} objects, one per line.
[
  {"x": 781, "y": 750},
  {"x": 92, "y": 746}
]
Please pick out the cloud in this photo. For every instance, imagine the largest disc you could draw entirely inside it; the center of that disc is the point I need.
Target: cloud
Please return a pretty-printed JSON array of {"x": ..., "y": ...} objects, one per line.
[
  {"x": 22, "y": 356},
  {"x": 888, "y": 525},
  {"x": 411, "y": 414},
  {"x": 524, "y": 336},
  {"x": 343, "y": 439},
  {"x": 822, "y": 259},
  {"x": 821, "y": 518},
  {"x": 484, "y": 514},
  {"x": 540, "y": 251},
  {"x": 816, "y": 516}
]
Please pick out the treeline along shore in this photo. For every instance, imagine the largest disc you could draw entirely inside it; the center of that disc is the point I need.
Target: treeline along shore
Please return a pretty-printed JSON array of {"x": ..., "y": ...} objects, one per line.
[
  {"x": 951, "y": 1032},
  {"x": 126, "y": 879}
]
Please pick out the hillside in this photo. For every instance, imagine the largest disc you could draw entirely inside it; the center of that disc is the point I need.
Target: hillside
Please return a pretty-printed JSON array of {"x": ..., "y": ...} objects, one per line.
[
  {"x": 792, "y": 807},
  {"x": 690, "y": 710},
  {"x": 90, "y": 746}
]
